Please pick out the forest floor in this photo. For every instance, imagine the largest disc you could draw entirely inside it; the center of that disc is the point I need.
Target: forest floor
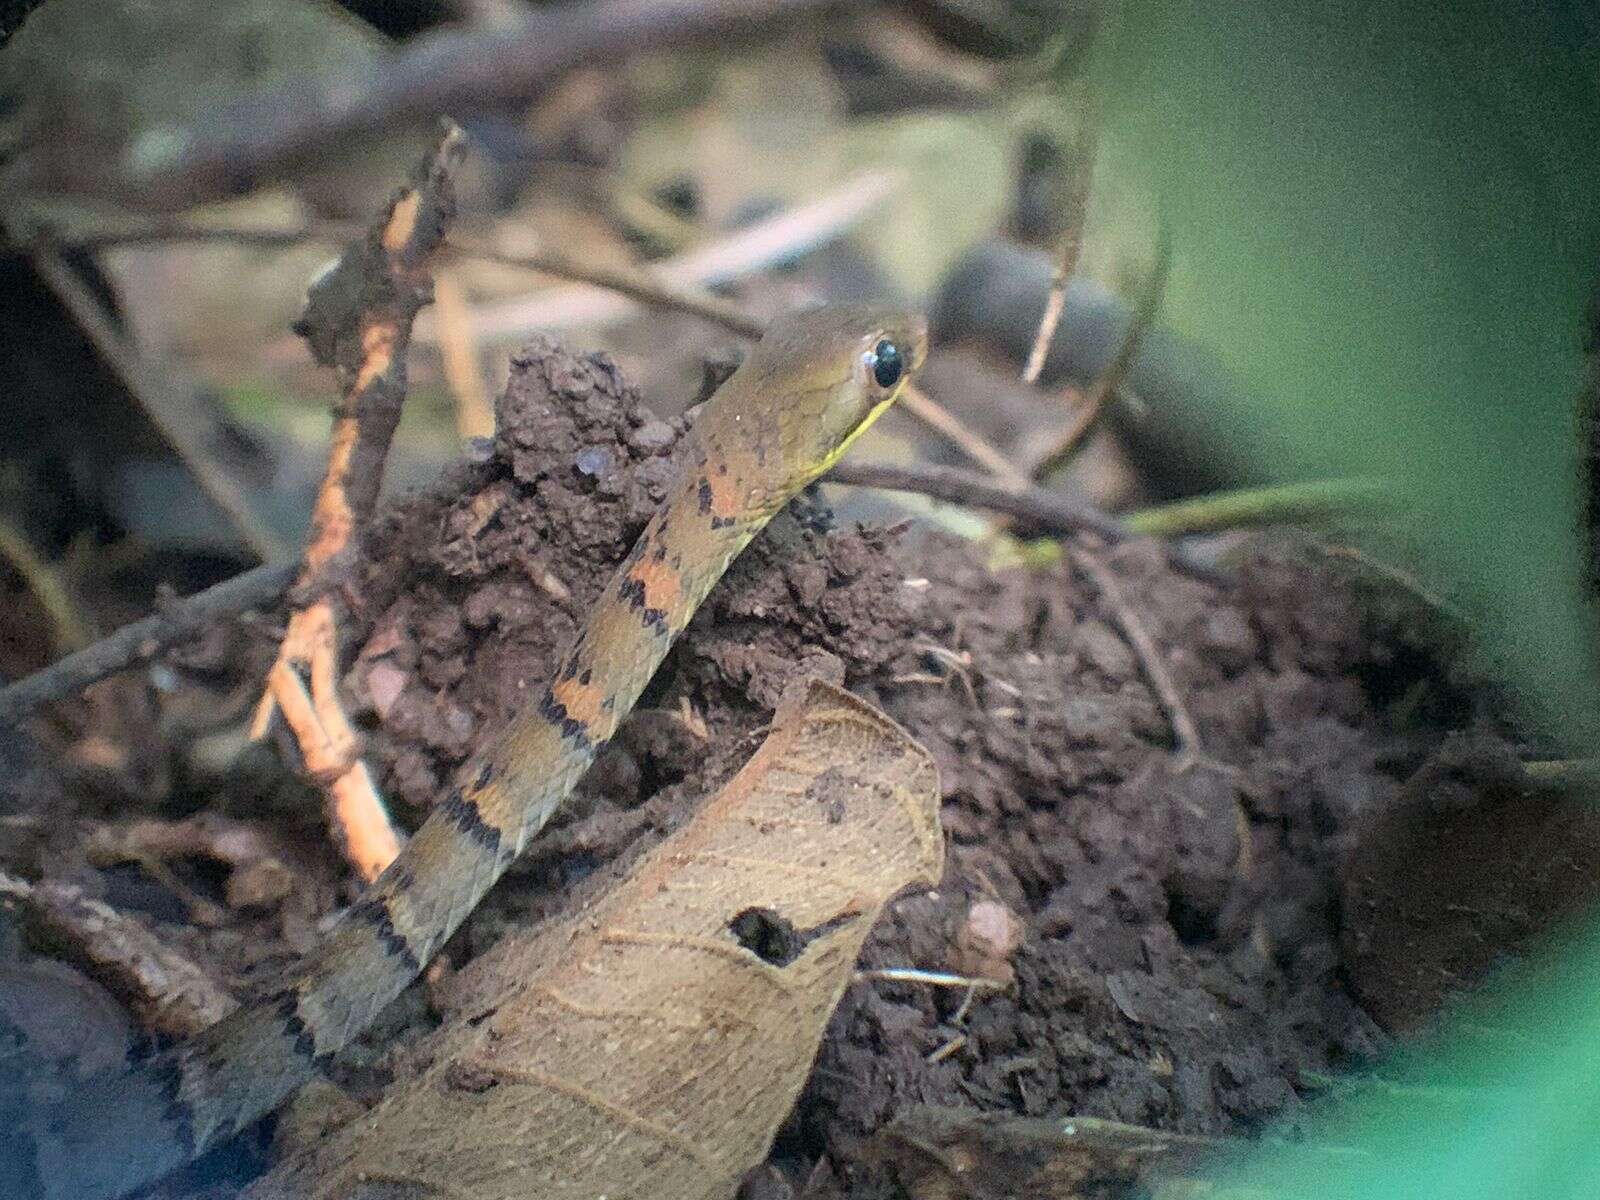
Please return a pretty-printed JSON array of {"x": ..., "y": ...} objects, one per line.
[{"x": 1188, "y": 940}]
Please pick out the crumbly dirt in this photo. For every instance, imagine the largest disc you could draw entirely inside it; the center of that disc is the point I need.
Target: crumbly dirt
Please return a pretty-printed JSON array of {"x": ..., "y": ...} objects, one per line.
[
  {"x": 1155, "y": 982},
  {"x": 1159, "y": 971}
]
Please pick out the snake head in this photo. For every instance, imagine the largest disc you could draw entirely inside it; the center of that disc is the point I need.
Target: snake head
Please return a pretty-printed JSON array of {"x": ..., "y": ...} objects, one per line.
[{"x": 814, "y": 383}]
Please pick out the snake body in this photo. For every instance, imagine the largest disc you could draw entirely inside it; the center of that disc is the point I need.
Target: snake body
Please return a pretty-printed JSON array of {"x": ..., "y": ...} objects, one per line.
[{"x": 808, "y": 389}]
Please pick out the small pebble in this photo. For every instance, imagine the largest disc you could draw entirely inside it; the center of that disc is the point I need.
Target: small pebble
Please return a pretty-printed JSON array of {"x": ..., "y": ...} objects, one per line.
[
  {"x": 594, "y": 461},
  {"x": 651, "y": 438},
  {"x": 986, "y": 940}
]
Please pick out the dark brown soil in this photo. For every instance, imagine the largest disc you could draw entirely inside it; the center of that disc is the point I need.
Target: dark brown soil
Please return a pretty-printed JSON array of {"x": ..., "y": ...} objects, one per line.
[
  {"x": 1155, "y": 983},
  {"x": 1159, "y": 975}
]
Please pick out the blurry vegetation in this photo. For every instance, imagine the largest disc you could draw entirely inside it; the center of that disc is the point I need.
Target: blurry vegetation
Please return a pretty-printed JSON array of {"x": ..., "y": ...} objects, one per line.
[{"x": 1383, "y": 221}]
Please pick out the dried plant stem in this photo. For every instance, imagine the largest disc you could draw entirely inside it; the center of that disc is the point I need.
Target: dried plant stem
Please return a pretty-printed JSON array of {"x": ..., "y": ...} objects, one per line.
[
  {"x": 1115, "y": 374},
  {"x": 1144, "y": 646},
  {"x": 1069, "y": 249},
  {"x": 358, "y": 319},
  {"x": 607, "y": 293},
  {"x": 1191, "y": 752},
  {"x": 940, "y": 419},
  {"x": 642, "y": 284}
]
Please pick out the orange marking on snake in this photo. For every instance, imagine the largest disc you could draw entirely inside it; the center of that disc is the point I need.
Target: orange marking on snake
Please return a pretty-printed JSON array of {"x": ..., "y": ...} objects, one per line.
[
  {"x": 719, "y": 496},
  {"x": 661, "y": 583},
  {"x": 583, "y": 701}
]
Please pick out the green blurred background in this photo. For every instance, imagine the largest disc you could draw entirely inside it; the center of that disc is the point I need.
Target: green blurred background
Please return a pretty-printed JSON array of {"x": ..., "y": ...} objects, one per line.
[{"x": 1384, "y": 220}]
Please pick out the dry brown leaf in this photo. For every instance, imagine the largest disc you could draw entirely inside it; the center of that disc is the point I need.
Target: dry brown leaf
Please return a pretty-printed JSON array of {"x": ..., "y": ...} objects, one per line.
[{"x": 640, "y": 1049}]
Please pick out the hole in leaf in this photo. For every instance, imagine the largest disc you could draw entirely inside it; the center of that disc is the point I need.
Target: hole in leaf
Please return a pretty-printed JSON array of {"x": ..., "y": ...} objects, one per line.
[{"x": 768, "y": 936}]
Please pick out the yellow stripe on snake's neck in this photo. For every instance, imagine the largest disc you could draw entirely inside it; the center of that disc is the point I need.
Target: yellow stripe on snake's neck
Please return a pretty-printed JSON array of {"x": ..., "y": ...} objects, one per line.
[
  {"x": 866, "y": 423},
  {"x": 806, "y": 392}
]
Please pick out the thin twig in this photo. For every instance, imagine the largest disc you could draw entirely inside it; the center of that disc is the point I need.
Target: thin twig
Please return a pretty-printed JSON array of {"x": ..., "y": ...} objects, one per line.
[
  {"x": 142, "y": 640},
  {"x": 1191, "y": 752},
  {"x": 940, "y": 419},
  {"x": 1052, "y": 512},
  {"x": 608, "y": 294},
  {"x": 232, "y": 148},
  {"x": 169, "y": 405},
  {"x": 1069, "y": 250},
  {"x": 463, "y": 367},
  {"x": 1144, "y": 646},
  {"x": 358, "y": 319},
  {"x": 68, "y": 630},
  {"x": 1055, "y": 303},
  {"x": 1115, "y": 374},
  {"x": 1315, "y": 499},
  {"x": 646, "y": 285}
]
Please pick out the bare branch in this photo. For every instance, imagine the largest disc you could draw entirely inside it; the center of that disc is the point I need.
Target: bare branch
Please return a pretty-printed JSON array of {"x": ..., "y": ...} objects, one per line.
[
  {"x": 358, "y": 320},
  {"x": 176, "y": 622},
  {"x": 143, "y": 640},
  {"x": 1050, "y": 511},
  {"x": 242, "y": 145}
]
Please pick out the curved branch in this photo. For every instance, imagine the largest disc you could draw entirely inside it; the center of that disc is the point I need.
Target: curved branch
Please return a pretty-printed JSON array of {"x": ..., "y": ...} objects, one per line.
[{"x": 241, "y": 145}]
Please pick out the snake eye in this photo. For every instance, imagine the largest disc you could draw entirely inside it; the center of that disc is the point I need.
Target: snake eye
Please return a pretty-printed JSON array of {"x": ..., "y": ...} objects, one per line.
[{"x": 886, "y": 363}]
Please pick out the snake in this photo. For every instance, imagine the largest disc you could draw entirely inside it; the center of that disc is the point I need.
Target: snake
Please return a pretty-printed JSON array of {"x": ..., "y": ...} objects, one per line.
[{"x": 809, "y": 388}]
